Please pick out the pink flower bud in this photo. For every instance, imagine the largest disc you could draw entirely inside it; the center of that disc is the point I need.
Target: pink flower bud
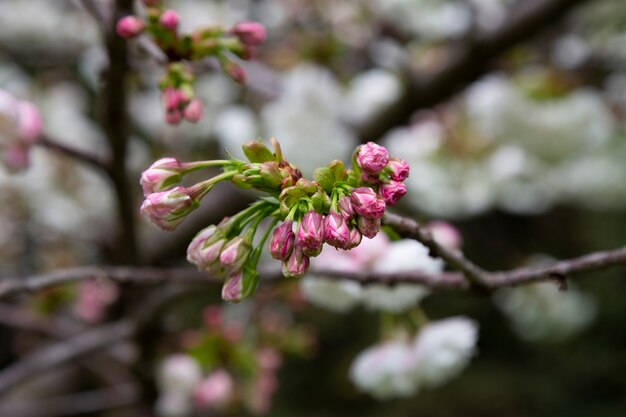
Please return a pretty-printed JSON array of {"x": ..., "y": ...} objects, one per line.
[
  {"x": 212, "y": 317},
  {"x": 173, "y": 117},
  {"x": 161, "y": 175},
  {"x": 29, "y": 123},
  {"x": 16, "y": 157},
  {"x": 398, "y": 169},
  {"x": 336, "y": 231},
  {"x": 296, "y": 265},
  {"x": 240, "y": 285},
  {"x": 235, "y": 253},
  {"x": 372, "y": 157},
  {"x": 345, "y": 208},
  {"x": 392, "y": 191},
  {"x": 368, "y": 227},
  {"x": 232, "y": 288},
  {"x": 169, "y": 20},
  {"x": 370, "y": 178},
  {"x": 355, "y": 238},
  {"x": 250, "y": 33},
  {"x": 446, "y": 234},
  {"x": 205, "y": 248},
  {"x": 168, "y": 209},
  {"x": 215, "y": 391},
  {"x": 282, "y": 241},
  {"x": 236, "y": 72},
  {"x": 173, "y": 99},
  {"x": 129, "y": 26},
  {"x": 367, "y": 203},
  {"x": 310, "y": 233},
  {"x": 193, "y": 111}
]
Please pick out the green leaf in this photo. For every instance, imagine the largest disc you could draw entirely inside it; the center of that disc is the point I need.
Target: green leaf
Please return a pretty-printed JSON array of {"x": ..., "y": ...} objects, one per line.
[{"x": 325, "y": 177}]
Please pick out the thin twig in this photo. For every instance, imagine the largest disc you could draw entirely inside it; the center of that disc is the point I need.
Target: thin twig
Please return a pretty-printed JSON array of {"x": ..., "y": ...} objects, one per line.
[
  {"x": 76, "y": 154},
  {"x": 84, "y": 402}
]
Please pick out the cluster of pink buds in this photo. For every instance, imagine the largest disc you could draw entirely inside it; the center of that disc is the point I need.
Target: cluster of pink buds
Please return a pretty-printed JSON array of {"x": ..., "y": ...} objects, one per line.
[
  {"x": 338, "y": 208},
  {"x": 20, "y": 128},
  {"x": 162, "y": 24}
]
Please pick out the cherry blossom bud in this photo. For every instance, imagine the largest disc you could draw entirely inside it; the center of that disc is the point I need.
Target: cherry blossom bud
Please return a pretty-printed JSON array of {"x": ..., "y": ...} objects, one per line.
[
  {"x": 173, "y": 99},
  {"x": 355, "y": 238},
  {"x": 367, "y": 203},
  {"x": 250, "y": 33},
  {"x": 212, "y": 317},
  {"x": 129, "y": 26},
  {"x": 235, "y": 253},
  {"x": 310, "y": 233},
  {"x": 392, "y": 191},
  {"x": 370, "y": 178},
  {"x": 168, "y": 209},
  {"x": 345, "y": 208},
  {"x": 240, "y": 285},
  {"x": 236, "y": 72},
  {"x": 282, "y": 241},
  {"x": 193, "y": 112},
  {"x": 398, "y": 169},
  {"x": 205, "y": 248},
  {"x": 29, "y": 123},
  {"x": 368, "y": 227},
  {"x": 446, "y": 234},
  {"x": 161, "y": 175},
  {"x": 296, "y": 265},
  {"x": 336, "y": 231},
  {"x": 372, "y": 157},
  {"x": 215, "y": 391},
  {"x": 16, "y": 157},
  {"x": 173, "y": 117},
  {"x": 169, "y": 20}
]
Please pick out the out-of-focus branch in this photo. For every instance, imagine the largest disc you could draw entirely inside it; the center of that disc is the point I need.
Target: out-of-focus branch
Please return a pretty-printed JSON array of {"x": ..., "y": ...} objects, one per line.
[
  {"x": 84, "y": 402},
  {"x": 120, "y": 274},
  {"x": 90, "y": 341},
  {"x": 76, "y": 154},
  {"x": 115, "y": 124},
  {"x": 468, "y": 62}
]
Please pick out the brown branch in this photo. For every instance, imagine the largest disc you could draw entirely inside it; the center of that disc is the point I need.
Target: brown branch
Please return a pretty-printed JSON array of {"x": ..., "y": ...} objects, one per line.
[
  {"x": 73, "y": 404},
  {"x": 410, "y": 228},
  {"x": 468, "y": 62},
  {"x": 115, "y": 124},
  {"x": 85, "y": 343},
  {"x": 76, "y": 154}
]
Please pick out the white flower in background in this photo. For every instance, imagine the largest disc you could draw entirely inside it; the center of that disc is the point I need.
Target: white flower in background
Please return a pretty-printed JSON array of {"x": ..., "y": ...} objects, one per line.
[
  {"x": 337, "y": 295},
  {"x": 46, "y": 25},
  {"x": 234, "y": 126},
  {"x": 397, "y": 368},
  {"x": 194, "y": 14},
  {"x": 180, "y": 373},
  {"x": 376, "y": 255},
  {"x": 552, "y": 129},
  {"x": 570, "y": 51},
  {"x": 429, "y": 19},
  {"x": 402, "y": 256},
  {"x": 443, "y": 349},
  {"x": 177, "y": 377},
  {"x": 385, "y": 370},
  {"x": 490, "y": 13},
  {"x": 305, "y": 118},
  {"x": 542, "y": 312},
  {"x": 370, "y": 92}
]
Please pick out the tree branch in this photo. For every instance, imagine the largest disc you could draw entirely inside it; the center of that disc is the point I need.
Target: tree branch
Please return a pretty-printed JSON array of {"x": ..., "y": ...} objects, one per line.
[
  {"x": 76, "y": 154},
  {"x": 468, "y": 62}
]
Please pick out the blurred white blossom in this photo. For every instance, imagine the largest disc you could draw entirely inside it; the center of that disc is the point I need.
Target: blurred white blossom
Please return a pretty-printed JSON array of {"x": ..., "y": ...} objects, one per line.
[{"x": 542, "y": 312}]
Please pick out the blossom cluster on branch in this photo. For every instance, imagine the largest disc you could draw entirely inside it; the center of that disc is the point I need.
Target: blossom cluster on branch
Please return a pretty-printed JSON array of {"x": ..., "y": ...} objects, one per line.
[
  {"x": 338, "y": 207},
  {"x": 241, "y": 41}
]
